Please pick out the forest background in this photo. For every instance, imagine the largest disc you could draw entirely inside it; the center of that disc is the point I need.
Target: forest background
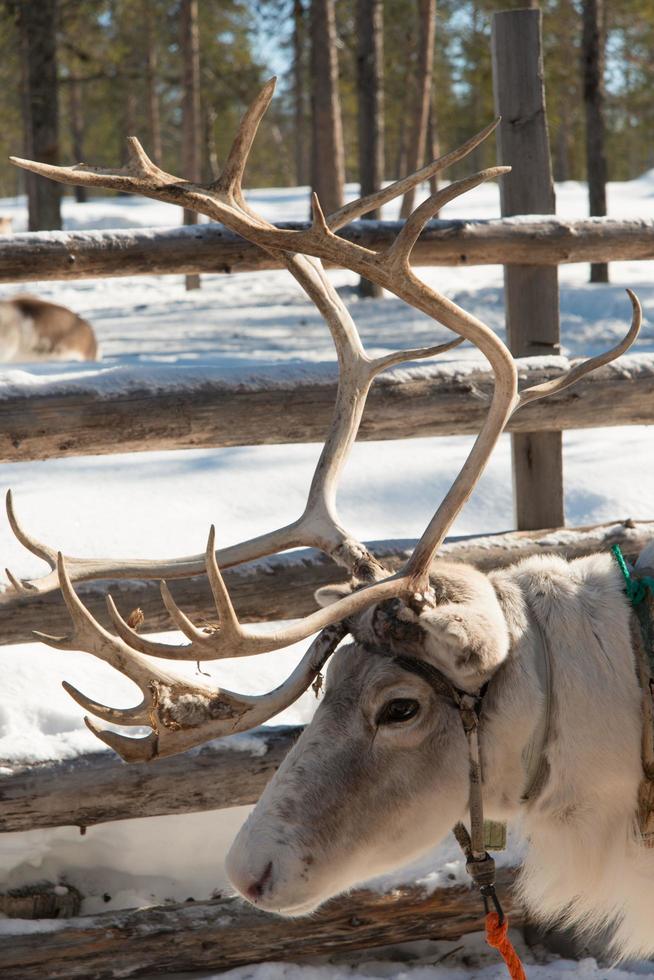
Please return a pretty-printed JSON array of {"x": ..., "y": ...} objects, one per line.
[{"x": 179, "y": 75}]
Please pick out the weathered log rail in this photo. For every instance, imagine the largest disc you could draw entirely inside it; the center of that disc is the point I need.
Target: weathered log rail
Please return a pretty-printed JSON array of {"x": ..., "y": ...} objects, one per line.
[
  {"x": 211, "y": 248},
  {"x": 225, "y": 933},
  {"x": 282, "y": 586},
  {"x": 99, "y": 787},
  {"x": 190, "y": 408}
]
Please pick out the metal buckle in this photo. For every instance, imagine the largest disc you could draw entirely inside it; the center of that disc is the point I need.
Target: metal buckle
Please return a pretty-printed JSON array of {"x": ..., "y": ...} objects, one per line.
[{"x": 488, "y": 892}]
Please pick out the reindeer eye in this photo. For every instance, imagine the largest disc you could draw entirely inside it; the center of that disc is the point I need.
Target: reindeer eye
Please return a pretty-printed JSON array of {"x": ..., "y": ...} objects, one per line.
[{"x": 397, "y": 711}]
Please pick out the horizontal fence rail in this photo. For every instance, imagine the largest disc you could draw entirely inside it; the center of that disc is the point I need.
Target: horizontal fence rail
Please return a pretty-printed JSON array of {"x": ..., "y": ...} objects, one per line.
[
  {"x": 283, "y": 586},
  {"x": 211, "y": 248},
  {"x": 190, "y": 408},
  {"x": 226, "y": 933},
  {"x": 99, "y": 787}
]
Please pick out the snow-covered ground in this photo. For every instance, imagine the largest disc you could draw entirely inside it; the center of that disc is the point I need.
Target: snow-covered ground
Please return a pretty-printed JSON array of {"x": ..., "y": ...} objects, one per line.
[{"x": 161, "y": 504}]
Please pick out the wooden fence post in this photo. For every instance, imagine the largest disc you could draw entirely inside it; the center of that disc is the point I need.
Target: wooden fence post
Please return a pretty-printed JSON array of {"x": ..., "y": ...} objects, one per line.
[{"x": 531, "y": 292}]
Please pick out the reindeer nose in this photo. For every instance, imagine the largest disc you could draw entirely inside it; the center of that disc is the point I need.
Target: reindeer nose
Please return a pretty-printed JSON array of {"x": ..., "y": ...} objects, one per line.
[{"x": 255, "y": 890}]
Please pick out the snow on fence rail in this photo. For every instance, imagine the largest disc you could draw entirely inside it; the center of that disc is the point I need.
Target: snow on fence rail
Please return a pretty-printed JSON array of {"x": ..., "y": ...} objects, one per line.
[
  {"x": 212, "y": 248},
  {"x": 80, "y": 411}
]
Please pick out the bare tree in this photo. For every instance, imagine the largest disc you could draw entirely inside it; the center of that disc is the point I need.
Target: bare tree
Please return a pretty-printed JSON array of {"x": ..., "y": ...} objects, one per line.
[
  {"x": 76, "y": 119},
  {"x": 299, "y": 93},
  {"x": 593, "y": 57},
  {"x": 418, "y": 141},
  {"x": 191, "y": 121},
  {"x": 210, "y": 162},
  {"x": 151, "y": 67},
  {"x": 37, "y": 21},
  {"x": 327, "y": 159},
  {"x": 433, "y": 146},
  {"x": 370, "y": 93}
]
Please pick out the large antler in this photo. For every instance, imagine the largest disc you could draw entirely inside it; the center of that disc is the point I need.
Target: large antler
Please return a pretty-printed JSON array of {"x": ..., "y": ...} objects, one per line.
[
  {"x": 318, "y": 526},
  {"x": 301, "y": 252}
]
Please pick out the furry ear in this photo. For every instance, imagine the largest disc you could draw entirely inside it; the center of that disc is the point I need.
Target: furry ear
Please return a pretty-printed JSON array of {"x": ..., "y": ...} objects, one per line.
[
  {"x": 468, "y": 640},
  {"x": 329, "y": 594}
]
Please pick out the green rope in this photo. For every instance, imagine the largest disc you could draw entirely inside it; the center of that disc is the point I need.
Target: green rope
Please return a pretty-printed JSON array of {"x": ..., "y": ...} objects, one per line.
[{"x": 636, "y": 588}]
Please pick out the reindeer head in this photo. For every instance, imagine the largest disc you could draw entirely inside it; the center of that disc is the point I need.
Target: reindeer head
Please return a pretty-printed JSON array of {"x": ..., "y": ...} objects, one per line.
[{"x": 380, "y": 773}]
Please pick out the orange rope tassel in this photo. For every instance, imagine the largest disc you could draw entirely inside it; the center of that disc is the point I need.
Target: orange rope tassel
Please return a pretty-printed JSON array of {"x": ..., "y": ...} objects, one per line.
[{"x": 497, "y": 936}]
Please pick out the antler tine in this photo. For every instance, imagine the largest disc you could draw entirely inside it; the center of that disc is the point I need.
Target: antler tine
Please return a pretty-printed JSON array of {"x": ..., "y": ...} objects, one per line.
[
  {"x": 139, "y": 715},
  {"x": 153, "y": 648},
  {"x": 398, "y": 254},
  {"x": 139, "y": 173},
  {"x": 180, "y": 619},
  {"x": 229, "y": 182},
  {"x": 129, "y": 749},
  {"x": 229, "y": 624},
  {"x": 415, "y": 354},
  {"x": 361, "y": 206},
  {"x": 37, "y": 548},
  {"x": 591, "y": 364}
]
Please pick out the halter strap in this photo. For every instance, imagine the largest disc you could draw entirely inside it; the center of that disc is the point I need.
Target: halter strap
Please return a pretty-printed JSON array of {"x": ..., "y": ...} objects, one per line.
[{"x": 479, "y": 864}]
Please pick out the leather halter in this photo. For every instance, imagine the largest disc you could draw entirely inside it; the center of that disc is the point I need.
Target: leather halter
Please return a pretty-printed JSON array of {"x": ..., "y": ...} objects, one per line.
[{"x": 479, "y": 864}]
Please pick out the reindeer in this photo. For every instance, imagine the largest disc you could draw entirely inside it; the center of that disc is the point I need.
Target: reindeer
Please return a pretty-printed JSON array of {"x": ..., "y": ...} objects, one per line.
[
  {"x": 543, "y": 650},
  {"x": 32, "y": 329}
]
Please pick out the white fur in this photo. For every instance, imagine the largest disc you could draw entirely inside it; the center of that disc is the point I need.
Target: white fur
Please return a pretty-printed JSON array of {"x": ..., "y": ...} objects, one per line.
[{"x": 402, "y": 787}]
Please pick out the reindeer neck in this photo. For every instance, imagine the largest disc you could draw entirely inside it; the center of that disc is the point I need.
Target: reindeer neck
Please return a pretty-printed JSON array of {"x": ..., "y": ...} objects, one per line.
[{"x": 576, "y": 615}]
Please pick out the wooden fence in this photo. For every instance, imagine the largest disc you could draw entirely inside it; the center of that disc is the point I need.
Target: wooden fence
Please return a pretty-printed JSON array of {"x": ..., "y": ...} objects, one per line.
[
  {"x": 183, "y": 408},
  {"x": 212, "y": 248}
]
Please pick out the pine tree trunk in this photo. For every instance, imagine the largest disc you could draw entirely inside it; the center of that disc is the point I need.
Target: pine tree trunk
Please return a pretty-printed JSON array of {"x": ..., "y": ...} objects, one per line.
[
  {"x": 299, "y": 94},
  {"x": 37, "y": 21},
  {"x": 562, "y": 147},
  {"x": 593, "y": 55},
  {"x": 433, "y": 147},
  {"x": 191, "y": 136},
  {"x": 151, "y": 71},
  {"x": 417, "y": 143},
  {"x": 76, "y": 115},
  {"x": 370, "y": 92},
  {"x": 400, "y": 159},
  {"x": 327, "y": 159},
  {"x": 210, "y": 163},
  {"x": 127, "y": 125}
]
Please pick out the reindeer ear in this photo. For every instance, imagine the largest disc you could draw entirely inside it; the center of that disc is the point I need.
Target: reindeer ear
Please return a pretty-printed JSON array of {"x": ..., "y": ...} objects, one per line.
[
  {"x": 468, "y": 641},
  {"x": 329, "y": 594}
]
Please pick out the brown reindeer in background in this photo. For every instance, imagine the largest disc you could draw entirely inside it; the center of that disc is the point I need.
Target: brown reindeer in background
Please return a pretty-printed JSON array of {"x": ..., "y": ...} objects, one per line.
[{"x": 32, "y": 329}]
